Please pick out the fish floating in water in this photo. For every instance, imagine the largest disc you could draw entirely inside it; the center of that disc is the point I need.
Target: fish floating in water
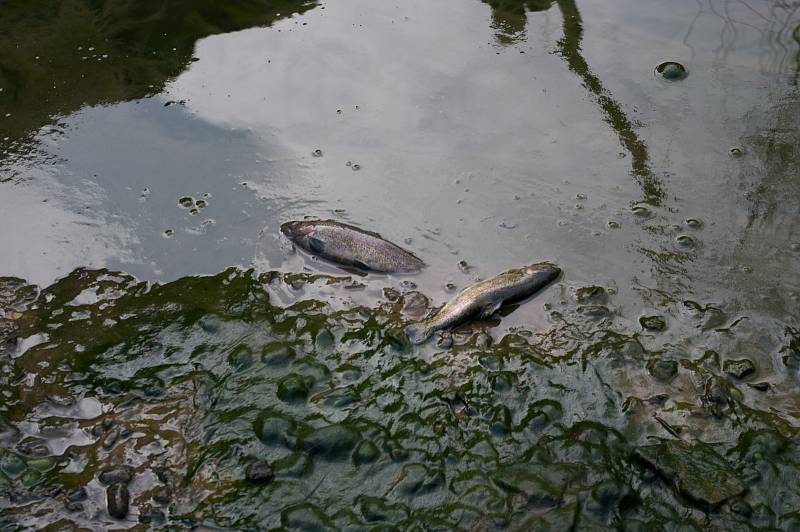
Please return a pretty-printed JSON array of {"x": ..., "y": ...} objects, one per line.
[
  {"x": 350, "y": 246},
  {"x": 482, "y": 299}
]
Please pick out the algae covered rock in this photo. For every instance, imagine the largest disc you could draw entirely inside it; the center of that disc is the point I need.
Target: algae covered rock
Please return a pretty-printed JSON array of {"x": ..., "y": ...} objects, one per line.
[
  {"x": 259, "y": 472},
  {"x": 332, "y": 442},
  {"x": 739, "y": 369},
  {"x": 118, "y": 500},
  {"x": 697, "y": 471}
]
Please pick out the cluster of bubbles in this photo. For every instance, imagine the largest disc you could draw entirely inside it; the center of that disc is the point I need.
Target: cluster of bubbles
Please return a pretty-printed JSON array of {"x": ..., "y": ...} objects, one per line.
[{"x": 194, "y": 206}]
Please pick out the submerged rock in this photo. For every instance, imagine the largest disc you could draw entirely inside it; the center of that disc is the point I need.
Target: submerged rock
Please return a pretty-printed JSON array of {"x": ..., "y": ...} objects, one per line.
[
  {"x": 739, "y": 369},
  {"x": 595, "y": 311},
  {"x": 78, "y": 495},
  {"x": 663, "y": 370},
  {"x": 114, "y": 475},
  {"x": 445, "y": 340},
  {"x": 162, "y": 495},
  {"x": 274, "y": 428},
  {"x": 332, "y": 442},
  {"x": 294, "y": 465},
  {"x": 305, "y": 517},
  {"x": 111, "y": 438},
  {"x": 418, "y": 480},
  {"x": 696, "y": 471},
  {"x": 366, "y": 452},
  {"x": 11, "y": 465},
  {"x": 375, "y": 509},
  {"x": 293, "y": 388},
  {"x": 73, "y": 506},
  {"x": 741, "y": 508},
  {"x": 591, "y": 294},
  {"x": 277, "y": 354},
  {"x": 118, "y": 500},
  {"x": 653, "y": 323},
  {"x": 259, "y": 472}
]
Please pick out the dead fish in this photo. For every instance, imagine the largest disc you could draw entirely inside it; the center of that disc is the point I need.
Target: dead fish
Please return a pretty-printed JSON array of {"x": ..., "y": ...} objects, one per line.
[
  {"x": 484, "y": 298},
  {"x": 350, "y": 246}
]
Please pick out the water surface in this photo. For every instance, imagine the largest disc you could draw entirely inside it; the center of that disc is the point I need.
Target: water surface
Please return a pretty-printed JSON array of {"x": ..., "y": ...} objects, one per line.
[{"x": 153, "y": 317}]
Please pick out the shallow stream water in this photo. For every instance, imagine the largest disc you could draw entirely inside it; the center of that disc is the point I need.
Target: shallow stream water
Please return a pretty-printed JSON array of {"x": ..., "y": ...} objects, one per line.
[{"x": 159, "y": 339}]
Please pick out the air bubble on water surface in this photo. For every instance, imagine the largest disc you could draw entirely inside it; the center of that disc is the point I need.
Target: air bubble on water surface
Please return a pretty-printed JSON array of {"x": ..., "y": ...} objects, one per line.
[
  {"x": 694, "y": 223},
  {"x": 671, "y": 71}
]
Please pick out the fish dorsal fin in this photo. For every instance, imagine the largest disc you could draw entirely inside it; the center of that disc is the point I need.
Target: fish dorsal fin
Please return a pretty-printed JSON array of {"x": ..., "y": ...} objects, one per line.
[
  {"x": 371, "y": 233},
  {"x": 355, "y": 228},
  {"x": 489, "y": 308}
]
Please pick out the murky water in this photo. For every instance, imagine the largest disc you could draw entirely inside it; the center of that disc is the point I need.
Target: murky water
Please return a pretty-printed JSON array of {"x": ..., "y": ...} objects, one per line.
[{"x": 159, "y": 340}]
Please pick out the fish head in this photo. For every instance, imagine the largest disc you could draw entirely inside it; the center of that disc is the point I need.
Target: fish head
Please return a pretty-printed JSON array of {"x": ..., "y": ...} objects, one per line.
[
  {"x": 297, "y": 231},
  {"x": 541, "y": 273}
]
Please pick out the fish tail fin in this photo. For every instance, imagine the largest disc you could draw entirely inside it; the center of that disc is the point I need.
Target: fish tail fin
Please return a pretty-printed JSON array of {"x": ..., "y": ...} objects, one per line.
[{"x": 418, "y": 332}]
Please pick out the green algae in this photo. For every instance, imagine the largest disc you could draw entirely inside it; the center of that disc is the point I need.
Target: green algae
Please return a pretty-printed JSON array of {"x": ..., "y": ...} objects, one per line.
[{"x": 518, "y": 456}]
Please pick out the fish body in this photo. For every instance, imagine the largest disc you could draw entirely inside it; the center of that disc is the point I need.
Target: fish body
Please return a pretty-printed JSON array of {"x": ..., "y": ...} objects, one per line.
[
  {"x": 350, "y": 246},
  {"x": 484, "y": 298}
]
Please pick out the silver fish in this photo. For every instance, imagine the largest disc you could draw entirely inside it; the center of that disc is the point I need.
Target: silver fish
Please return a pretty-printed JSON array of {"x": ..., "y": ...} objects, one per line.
[
  {"x": 350, "y": 246},
  {"x": 484, "y": 298}
]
